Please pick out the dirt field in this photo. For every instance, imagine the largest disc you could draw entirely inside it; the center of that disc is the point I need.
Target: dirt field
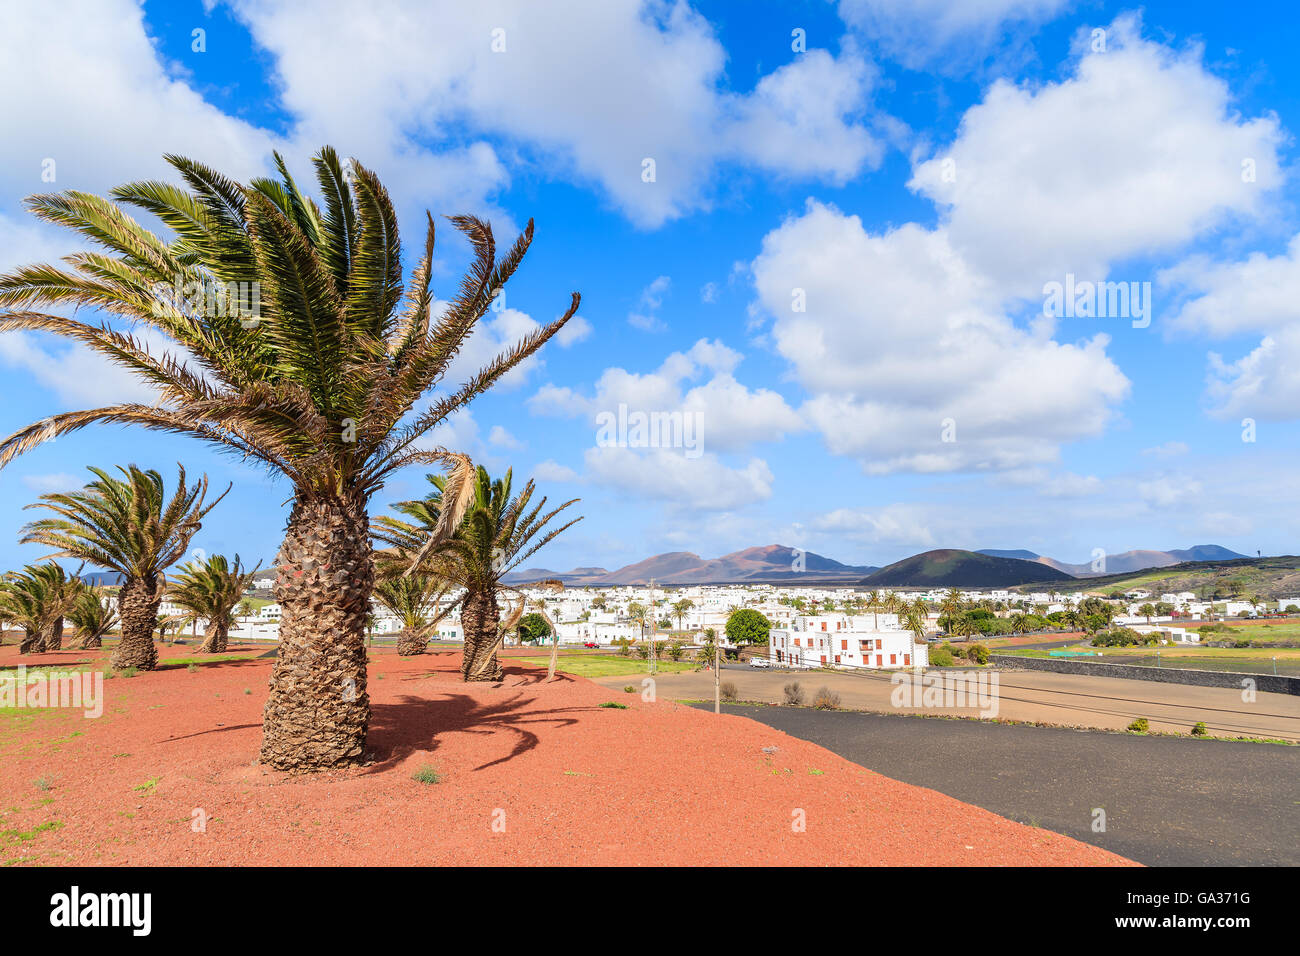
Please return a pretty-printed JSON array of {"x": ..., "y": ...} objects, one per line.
[{"x": 529, "y": 772}]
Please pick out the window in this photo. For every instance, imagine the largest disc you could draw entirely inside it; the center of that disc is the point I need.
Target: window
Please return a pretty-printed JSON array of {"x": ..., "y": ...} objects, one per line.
[
  {"x": 844, "y": 645},
  {"x": 907, "y": 659},
  {"x": 893, "y": 658},
  {"x": 877, "y": 643}
]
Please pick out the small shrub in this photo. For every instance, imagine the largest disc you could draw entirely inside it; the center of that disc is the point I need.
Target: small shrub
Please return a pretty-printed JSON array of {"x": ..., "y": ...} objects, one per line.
[
  {"x": 127, "y": 672},
  {"x": 978, "y": 653},
  {"x": 941, "y": 658},
  {"x": 193, "y": 668},
  {"x": 1200, "y": 730},
  {"x": 613, "y": 705},
  {"x": 629, "y": 689},
  {"x": 426, "y": 774},
  {"x": 43, "y": 783},
  {"x": 826, "y": 699},
  {"x": 1139, "y": 726},
  {"x": 728, "y": 691},
  {"x": 793, "y": 694}
]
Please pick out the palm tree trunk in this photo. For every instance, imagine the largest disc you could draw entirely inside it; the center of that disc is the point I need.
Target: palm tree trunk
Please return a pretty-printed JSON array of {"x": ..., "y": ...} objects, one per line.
[
  {"x": 137, "y": 606},
  {"x": 54, "y": 636},
  {"x": 318, "y": 711},
  {"x": 92, "y": 643},
  {"x": 214, "y": 640},
  {"x": 411, "y": 642},
  {"x": 30, "y": 640},
  {"x": 479, "y": 617}
]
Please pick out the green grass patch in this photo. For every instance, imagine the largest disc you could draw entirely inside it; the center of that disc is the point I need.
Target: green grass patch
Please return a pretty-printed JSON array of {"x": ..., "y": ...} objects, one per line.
[
  {"x": 604, "y": 665},
  {"x": 427, "y": 774}
]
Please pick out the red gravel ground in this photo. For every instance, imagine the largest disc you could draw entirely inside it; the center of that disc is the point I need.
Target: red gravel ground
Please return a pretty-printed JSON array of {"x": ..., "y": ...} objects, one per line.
[{"x": 565, "y": 780}]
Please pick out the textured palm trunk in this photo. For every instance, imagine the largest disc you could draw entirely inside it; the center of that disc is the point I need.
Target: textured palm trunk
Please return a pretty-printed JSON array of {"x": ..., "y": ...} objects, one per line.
[
  {"x": 53, "y": 638},
  {"x": 137, "y": 607},
  {"x": 215, "y": 640},
  {"x": 92, "y": 643},
  {"x": 410, "y": 643},
  {"x": 479, "y": 618},
  {"x": 30, "y": 641},
  {"x": 318, "y": 710}
]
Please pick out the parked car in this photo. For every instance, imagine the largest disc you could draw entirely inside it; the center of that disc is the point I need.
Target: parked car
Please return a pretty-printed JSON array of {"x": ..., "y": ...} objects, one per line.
[
  {"x": 759, "y": 662},
  {"x": 590, "y": 644}
]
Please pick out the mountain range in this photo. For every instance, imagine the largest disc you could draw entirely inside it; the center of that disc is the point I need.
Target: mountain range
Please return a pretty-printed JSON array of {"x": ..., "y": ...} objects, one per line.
[
  {"x": 1125, "y": 561},
  {"x": 776, "y": 564}
]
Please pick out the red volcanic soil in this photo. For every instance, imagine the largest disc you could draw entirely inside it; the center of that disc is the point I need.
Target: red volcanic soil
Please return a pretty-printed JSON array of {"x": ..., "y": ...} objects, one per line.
[{"x": 565, "y": 780}]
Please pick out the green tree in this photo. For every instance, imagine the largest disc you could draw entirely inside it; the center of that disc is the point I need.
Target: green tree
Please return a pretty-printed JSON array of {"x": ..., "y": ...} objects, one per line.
[
  {"x": 209, "y": 590},
  {"x": 498, "y": 531},
  {"x": 414, "y": 600},
  {"x": 747, "y": 626},
  {"x": 533, "y": 628},
  {"x": 680, "y": 610},
  {"x": 126, "y": 525},
  {"x": 319, "y": 383},
  {"x": 91, "y": 619}
]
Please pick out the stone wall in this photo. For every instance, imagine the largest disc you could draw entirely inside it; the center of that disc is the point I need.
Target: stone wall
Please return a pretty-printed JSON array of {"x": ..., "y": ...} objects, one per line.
[{"x": 1164, "y": 675}]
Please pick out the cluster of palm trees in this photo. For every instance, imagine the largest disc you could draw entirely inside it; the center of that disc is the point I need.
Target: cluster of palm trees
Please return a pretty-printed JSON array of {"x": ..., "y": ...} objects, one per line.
[
  {"x": 326, "y": 384},
  {"x": 38, "y": 600}
]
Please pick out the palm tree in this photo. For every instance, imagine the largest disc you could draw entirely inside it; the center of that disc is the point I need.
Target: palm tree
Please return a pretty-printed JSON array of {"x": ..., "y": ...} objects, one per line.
[
  {"x": 680, "y": 608},
  {"x": 873, "y": 605},
  {"x": 495, "y": 535},
  {"x": 59, "y": 591},
  {"x": 26, "y": 601},
  {"x": 210, "y": 591},
  {"x": 415, "y": 601},
  {"x": 951, "y": 606},
  {"x": 126, "y": 525},
  {"x": 313, "y": 373},
  {"x": 914, "y": 619},
  {"x": 92, "y": 619}
]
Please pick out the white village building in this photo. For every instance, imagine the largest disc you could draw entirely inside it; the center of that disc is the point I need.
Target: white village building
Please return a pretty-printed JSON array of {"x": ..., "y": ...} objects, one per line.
[{"x": 835, "y": 640}]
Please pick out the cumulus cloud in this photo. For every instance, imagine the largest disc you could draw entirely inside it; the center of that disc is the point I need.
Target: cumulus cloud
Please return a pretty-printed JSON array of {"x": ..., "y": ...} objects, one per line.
[
  {"x": 646, "y": 314},
  {"x": 909, "y": 361},
  {"x": 728, "y": 416},
  {"x": 550, "y": 470},
  {"x": 593, "y": 89},
  {"x": 1138, "y": 151},
  {"x": 705, "y": 483}
]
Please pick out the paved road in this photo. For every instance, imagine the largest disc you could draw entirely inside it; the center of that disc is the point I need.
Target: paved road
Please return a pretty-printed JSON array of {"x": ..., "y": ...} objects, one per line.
[{"x": 1168, "y": 801}]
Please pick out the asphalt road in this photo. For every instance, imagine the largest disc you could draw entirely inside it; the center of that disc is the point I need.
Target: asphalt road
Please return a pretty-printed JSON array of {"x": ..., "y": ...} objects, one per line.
[{"x": 1168, "y": 801}]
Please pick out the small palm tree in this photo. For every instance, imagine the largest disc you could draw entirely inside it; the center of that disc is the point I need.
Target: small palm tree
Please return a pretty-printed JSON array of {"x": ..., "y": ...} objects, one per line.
[
  {"x": 873, "y": 605},
  {"x": 126, "y": 525},
  {"x": 23, "y": 602},
  {"x": 415, "y": 600},
  {"x": 680, "y": 609},
  {"x": 210, "y": 591},
  {"x": 92, "y": 619},
  {"x": 496, "y": 534},
  {"x": 312, "y": 368}
]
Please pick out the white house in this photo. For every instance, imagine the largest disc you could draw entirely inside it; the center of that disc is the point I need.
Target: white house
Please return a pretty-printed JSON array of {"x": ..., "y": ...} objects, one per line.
[{"x": 838, "y": 641}]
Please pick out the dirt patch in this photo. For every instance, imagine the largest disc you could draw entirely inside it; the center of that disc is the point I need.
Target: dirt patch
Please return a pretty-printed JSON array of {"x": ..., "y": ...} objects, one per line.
[{"x": 527, "y": 772}]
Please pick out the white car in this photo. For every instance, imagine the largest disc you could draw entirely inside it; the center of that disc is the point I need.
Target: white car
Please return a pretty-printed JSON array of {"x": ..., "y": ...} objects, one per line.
[{"x": 759, "y": 662}]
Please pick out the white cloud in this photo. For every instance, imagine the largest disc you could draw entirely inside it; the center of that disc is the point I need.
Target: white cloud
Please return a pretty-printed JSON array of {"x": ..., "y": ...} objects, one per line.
[
  {"x": 503, "y": 439},
  {"x": 1139, "y": 151},
  {"x": 898, "y": 525},
  {"x": 709, "y": 292},
  {"x": 728, "y": 416},
  {"x": 646, "y": 314},
  {"x": 943, "y": 33},
  {"x": 61, "y": 481},
  {"x": 575, "y": 330},
  {"x": 1168, "y": 450},
  {"x": 592, "y": 89},
  {"x": 1168, "y": 491},
  {"x": 704, "y": 483},
  {"x": 1259, "y": 294},
  {"x": 900, "y": 335},
  {"x": 78, "y": 377},
  {"x": 553, "y": 471}
]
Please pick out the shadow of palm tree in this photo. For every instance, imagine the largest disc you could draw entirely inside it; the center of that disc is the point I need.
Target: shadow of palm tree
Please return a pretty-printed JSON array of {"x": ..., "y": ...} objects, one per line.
[{"x": 415, "y": 723}]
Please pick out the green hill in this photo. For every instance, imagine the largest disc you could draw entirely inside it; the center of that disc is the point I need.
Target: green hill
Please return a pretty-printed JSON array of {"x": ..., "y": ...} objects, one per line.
[
  {"x": 963, "y": 569},
  {"x": 1215, "y": 580}
]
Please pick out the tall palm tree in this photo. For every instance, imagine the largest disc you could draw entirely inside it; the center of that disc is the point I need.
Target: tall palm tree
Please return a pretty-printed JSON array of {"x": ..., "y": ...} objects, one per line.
[
  {"x": 126, "y": 525},
  {"x": 315, "y": 372},
  {"x": 494, "y": 536},
  {"x": 92, "y": 619},
  {"x": 873, "y": 605},
  {"x": 415, "y": 601},
  {"x": 210, "y": 590}
]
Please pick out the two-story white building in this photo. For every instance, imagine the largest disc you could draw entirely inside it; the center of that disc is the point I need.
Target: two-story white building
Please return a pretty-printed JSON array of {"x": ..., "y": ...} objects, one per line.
[{"x": 834, "y": 640}]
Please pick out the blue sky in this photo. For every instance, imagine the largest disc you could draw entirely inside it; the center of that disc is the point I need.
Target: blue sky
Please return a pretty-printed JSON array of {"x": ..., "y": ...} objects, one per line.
[{"x": 918, "y": 170}]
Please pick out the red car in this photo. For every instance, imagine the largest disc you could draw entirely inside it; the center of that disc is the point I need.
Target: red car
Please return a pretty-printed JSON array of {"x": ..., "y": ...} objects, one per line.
[{"x": 591, "y": 644}]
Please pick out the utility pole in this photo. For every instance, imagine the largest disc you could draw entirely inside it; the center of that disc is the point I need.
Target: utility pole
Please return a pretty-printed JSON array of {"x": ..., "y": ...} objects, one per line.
[
  {"x": 718, "y": 697},
  {"x": 654, "y": 662}
]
